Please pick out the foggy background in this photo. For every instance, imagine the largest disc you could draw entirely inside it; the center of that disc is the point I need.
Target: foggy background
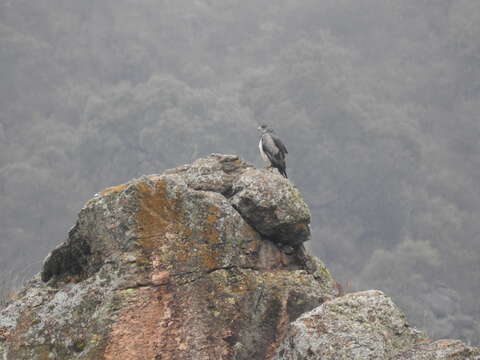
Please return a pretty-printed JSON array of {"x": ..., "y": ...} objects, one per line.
[{"x": 377, "y": 101}]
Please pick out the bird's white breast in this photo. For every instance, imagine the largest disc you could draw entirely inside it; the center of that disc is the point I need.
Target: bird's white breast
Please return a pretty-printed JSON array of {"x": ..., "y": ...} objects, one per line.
[{"x": 262, "y": 153}]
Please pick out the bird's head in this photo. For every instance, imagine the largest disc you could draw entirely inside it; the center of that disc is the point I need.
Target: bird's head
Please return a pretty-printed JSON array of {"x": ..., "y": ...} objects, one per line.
[{"x": 264, "y": 129}]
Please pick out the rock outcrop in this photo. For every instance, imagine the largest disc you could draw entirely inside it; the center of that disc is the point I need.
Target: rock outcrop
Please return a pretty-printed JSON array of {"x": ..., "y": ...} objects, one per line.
[
  {"x": 173, "y": 266},
  {"x": 202, "y": 262}
]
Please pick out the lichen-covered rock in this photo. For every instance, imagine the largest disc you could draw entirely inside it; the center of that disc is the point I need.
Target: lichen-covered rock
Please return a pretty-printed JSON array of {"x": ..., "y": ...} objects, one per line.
[
  {"x": 272, "y": 205},
  {"x": 440, "y": 350},
  {"x": 363, "y": 325},
  {"x": 164, "y": 267},
  {"x": 214, "y": 173}
]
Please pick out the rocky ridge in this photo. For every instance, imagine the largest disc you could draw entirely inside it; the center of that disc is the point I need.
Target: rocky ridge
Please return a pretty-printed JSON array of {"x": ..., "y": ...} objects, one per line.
[{"x": 204, "y": 261}]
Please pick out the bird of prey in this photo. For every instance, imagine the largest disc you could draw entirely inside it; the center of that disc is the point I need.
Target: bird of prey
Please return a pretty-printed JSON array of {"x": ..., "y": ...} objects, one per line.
[{"x": 272, "y": 149}]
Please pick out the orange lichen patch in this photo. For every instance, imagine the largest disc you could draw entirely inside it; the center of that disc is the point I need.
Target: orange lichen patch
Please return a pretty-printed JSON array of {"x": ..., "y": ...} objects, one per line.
[
  {"x": 209, "y": 255},
  {"x": 3, "y": 334},
  {"x": 211, "y": 218},
  {"x": 210, "y": 258},
  {"x": 168, "y": 237},
  {"x": 210, "y": 232},
  {"x": 159, "y": 220},
  {"x": 113, "y": 189},
  {"x": 157, "y": 214}
]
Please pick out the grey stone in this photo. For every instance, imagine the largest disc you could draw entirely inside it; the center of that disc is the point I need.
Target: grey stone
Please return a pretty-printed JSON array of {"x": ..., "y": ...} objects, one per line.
[
  {"x": 273, "y": 206},
  {"x": 363, "y": 325}
]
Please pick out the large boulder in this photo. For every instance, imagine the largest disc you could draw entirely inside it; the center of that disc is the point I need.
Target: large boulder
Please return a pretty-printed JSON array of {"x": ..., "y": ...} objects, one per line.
[
  {"x": 169, "y": 267},
  {"x": 363, "y": 325},
  {"x": 277, "y": 212}
]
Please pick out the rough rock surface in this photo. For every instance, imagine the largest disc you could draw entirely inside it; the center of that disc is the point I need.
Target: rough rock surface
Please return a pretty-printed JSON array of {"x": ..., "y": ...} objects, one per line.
[
  {"x": 167, "y": 267},
  {"x": 202, "y": 262},
  {"x": 440, "y": 350},
  {"x": 277, "y": 212},
  {"x": 363, "y": 325}
]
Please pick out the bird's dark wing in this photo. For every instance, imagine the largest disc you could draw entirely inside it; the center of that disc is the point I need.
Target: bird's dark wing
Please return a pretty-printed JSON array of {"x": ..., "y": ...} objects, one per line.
[
  {"x": 280, "y": 145},
  {"x": 269, "y": 147}
]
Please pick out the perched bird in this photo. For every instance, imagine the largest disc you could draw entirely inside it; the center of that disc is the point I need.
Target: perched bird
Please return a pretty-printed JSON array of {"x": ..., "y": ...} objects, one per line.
[{"x": 272, "y": 149}]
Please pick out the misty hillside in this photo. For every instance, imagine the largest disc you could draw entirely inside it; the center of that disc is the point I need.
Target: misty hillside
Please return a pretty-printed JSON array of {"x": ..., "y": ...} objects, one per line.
[{"x": 377, "y": 102}]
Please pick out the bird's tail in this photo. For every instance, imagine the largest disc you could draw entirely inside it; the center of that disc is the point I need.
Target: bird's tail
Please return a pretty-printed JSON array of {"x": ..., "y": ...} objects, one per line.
[{"x": 283, "y": 172}]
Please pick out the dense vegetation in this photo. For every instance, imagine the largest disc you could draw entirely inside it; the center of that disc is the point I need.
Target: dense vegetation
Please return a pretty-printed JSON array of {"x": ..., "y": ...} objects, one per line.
[{"x": 377, "y": 101}]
